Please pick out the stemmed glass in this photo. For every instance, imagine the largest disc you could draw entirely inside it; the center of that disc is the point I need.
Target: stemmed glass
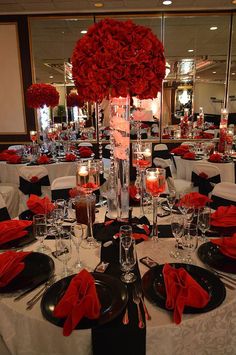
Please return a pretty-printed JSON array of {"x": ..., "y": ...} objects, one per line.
[
  {"x": 87, "y": 179},
  {"x": 155, "y": 185},
  {"x": 189, "y": 241},
  {"x": 177, "y": 228},
  {"x": 33, "y": 136},
  {"x": 40, "y": 232},
  {"x": 127, "y": 254},
  {"x": 141, "y": 159},
  {"x": 171, "y": 199},
  {"x": 204, "y": 216},
  {"x": 77, "y": 233},
  {"x": 64, "y": 250}
]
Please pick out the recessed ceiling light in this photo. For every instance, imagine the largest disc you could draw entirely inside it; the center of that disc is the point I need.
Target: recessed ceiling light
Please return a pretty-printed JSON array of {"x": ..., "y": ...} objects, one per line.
[
  {"x": 51, "y": 76},
  {"x": 98, "y": 4},
  {"x": 234, "y": 2},
  {"x": 198, "y": 77},
  {"x": 213, "y": 28},
  {"x": 233, "y": 73},
  {"x": 83, "y": 31},
  {"x": 214, "y": 72},
  {"x": 190, "y": 50},
  {"x": 167, "y": 2},
  {"x": 62, "y": 32}
]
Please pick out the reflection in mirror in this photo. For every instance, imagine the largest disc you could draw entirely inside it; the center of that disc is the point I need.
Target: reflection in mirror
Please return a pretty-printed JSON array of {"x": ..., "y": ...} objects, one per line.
[
  {"x": 232, "y": 82},
  {"x": 196, "y": 51}
]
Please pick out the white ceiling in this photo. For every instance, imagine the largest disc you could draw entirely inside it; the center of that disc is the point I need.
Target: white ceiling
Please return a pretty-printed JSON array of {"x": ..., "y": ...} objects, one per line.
[{"x": 65, "y": 6}]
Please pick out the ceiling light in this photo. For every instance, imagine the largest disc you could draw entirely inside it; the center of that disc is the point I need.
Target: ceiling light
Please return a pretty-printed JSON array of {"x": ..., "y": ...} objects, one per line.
[
  {"x": 198, "y": 77},
  {"x": 190, "y": 50},
  {"x": 167, "y": 2},
  {"x": 233, "y": 73},
  {"x": 51, "y": 76},
  {"x": 214, "y": 72},
  {"x": 98, "y": 4},
  {"x": 213, "y": 28},
  {"x": 234, "y": 2},
  {"x": 83, "y": 31}
]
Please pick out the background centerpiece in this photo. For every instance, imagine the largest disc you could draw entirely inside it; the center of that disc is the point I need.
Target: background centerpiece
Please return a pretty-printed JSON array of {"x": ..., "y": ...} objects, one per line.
[{"x": 117, "y": 60}]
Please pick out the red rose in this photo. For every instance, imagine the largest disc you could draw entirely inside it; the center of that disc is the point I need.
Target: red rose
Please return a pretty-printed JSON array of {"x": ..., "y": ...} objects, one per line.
[{"x": 34, "y": 179}]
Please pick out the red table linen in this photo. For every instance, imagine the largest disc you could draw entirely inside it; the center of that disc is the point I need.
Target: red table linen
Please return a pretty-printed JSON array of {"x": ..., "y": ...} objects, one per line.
[
  {"x": 182, "y": 290},
  {"x": 13, "y": 229},
  {"x": 80, "y": 300},
  {"x": 11, "y": 264}
]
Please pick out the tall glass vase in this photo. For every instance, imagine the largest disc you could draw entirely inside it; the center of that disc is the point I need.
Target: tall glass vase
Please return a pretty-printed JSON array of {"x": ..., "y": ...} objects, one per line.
[
  {"x": 44, "y": 121},
  {"x": 120, "y": 141},
  {"x": 223, "y": 130}
]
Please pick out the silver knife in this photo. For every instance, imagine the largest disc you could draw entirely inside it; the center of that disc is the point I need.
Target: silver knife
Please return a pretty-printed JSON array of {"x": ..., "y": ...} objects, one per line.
[{"x": 25, "y": 293}]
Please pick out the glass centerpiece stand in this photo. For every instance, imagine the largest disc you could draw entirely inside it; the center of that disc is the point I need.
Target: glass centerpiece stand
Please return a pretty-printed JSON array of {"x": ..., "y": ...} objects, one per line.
[
  {"x": 141, "y": 160},
  {"x": 87, "y": 180},
  {"x": 155, "y": 185}
]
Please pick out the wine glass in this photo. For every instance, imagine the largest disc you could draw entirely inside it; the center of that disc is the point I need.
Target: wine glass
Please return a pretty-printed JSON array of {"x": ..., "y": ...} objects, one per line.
[
  {"x": 127, "y": 258},
  {"x": 141, "y": 159},
  {"x": 177, "y": 228},
  {"x": 171, "y": 199},
  {"x": 77, "y": 233},
  {"x": 87, "y": 180},
  {"x": 155, "y": 185},
  {"x": 189, "y": 241},
  {"x": 40, "y": 232},
  {"x": 204, "y": 216},
  {"x": 64, "y": 250}
]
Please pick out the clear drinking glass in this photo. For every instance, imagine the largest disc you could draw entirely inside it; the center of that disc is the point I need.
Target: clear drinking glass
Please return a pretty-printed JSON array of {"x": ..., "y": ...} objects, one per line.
[
  {"x": 40, "y": 232},
  {"x": 177, "y": 228},
  {"x": 77, "y": 233},
  {"x": 171, "y": 199},
  {"x": 204, "y": 216},
  {"x": 64, "y": 250},
  {"x": 189, "y": 241},
  {"x": 127, "y": 258}
]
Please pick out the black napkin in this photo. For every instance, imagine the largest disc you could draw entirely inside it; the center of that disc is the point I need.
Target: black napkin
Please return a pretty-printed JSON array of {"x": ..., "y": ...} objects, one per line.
[{"x": 116, "y": 338}]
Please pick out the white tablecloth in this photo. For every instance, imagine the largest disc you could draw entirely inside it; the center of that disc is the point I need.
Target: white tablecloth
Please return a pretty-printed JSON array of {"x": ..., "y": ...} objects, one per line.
[
  {"x": 10, "y": 172},
  {"x": 27, "y": 333},
  {"x": 185, "y": 167}
]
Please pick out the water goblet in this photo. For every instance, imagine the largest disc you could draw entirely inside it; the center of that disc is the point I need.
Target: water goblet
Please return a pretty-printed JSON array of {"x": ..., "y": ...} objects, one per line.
[
  {"x": 40, "y": 232},
  {"x": 64, "y": 250},
  {"x": 189, "y": 241},
  {"x": 155, "y": 185},
  {"x": 127, "y": 258},
  {"x": 171, "y": 199},
  {"x": 204, "y": 216},
  {"x": 77, "y": 234},
  {"x": 177, "y": 228}
]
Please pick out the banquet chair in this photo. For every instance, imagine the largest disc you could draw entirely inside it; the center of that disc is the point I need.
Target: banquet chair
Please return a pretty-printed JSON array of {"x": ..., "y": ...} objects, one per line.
[
  {"x": 204, "y": 177},
  {"x": 33, "y": 180},
  {"x": 4, "y": 214},
  {"x": 10, "y": 195},
  {"x": 161, "y": 151},
  {"x": 85, "y": 144},
  {"x": 60, "y": 187},
  {"x": 16, "y": 147},
  {"x": 223, "y": 194},
  {"x": 179, "y": 185}
]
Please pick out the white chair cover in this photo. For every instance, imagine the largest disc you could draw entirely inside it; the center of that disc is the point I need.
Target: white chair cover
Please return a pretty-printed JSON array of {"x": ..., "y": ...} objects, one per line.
[
  {"x": 9, "y": 193},
  {"x": 225, "y": 190},
  {"x": 208, "y": 169},
  {"x": 61, "y": 185},
  {"x": 160, "y": 146},
  {"x": 85, "y": 144}
]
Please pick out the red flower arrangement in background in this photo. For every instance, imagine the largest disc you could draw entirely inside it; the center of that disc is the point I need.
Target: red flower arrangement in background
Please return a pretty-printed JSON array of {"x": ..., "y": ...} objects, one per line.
[
  {"x": 73, "y": 100},
  {"x": 38, "y": 95},
  {"x": 118, "y": 58}
]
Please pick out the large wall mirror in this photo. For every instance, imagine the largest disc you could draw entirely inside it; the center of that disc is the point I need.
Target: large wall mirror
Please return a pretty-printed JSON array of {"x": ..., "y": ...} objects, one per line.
[
  {"x": 232, "y": 77},
  {"x": 196, "y": 49}
]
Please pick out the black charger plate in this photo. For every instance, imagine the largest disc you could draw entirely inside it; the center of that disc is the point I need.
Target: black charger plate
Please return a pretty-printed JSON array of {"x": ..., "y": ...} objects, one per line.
[
  {"x": 211, "y": 255},
  {"x": 112, "y": 294},
  {"x": 20, "y": 242},
  {"x": 38, "y": 269},
  {"x": 154, "y": 287}
]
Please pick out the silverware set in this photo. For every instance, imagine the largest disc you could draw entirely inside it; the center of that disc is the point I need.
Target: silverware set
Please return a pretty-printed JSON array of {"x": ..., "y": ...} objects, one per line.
[{"x": 227, "y": 280}]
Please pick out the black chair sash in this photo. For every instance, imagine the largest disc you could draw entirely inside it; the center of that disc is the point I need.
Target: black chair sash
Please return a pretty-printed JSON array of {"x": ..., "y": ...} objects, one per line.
[
  {"x": 205, "y": 185},
  {"x": 106, "y": 153},
  {"x": 4, "y": 215},
  {"x": 163, "y": 154},
  {"x": 28, "y": 187},
  {"x": 219, "y": 201},
  {"x": 61, "y": 194}
]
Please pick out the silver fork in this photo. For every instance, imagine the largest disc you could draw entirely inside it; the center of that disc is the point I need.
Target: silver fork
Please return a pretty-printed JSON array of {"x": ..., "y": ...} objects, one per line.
[
  {"x": 140, "y": 295},
  {"x": 40, "y": 294},
  {"x": 136, "y": 300}
]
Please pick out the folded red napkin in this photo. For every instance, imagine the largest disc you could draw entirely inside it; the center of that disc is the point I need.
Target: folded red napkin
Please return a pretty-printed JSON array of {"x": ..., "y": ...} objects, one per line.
[
  {"x": 11, "y": 264},
  {"x": 40, "y": 205},
  {"x": 215, "y": 157},
  {"x": 80, "y": 300},
  {"x": 85, "y": 152},
  {"x": 4, "y": 156},
  {"x": 227, "y": 245},
  {"x": 70, "y": 157},
  {"x": 224, "y": 216},
  {"x": 43, "y": 159},
  {"x": 194, "y": 199},
  {"x": 180, "y": 150},
  {"x": 13, "y": 229},
  {"x": 189, "y": 156},
  {"x": 10, "y": 151},
  {"x": 14, "y": 159},
  {"x": 182, "y": 290},
  {"x": 208, "y": 135}
]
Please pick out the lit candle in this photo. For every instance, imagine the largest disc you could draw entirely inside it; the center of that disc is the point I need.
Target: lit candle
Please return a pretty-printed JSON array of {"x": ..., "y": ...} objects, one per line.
[
  {"x": 152, "y": 177},
  {"x": 147, "y": 153},
  {"x": 83, "y": 171}
]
